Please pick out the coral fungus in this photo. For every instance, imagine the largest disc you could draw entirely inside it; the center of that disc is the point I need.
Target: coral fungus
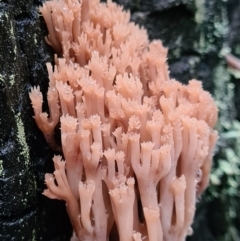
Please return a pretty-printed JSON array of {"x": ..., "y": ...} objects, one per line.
[{"x": 137, "y": 145}]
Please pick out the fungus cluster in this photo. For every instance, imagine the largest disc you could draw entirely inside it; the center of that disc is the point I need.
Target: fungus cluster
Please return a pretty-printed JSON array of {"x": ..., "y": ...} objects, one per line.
[{"x": 137, "y": 145}]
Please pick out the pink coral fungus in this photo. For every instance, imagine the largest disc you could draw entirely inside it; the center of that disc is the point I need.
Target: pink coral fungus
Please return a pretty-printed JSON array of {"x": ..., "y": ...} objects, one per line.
[{"x": 137, "y": 145}]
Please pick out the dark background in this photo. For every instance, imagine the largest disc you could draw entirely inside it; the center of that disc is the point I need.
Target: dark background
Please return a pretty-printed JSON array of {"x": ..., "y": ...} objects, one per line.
[{"x": 198, "y": 34}]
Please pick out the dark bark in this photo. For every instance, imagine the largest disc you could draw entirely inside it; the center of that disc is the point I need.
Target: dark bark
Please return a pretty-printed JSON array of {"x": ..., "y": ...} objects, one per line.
[{"x": 24, "y": 156}]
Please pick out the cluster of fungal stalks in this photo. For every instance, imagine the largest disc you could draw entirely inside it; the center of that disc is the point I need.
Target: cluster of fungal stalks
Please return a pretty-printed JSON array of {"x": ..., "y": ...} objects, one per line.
[{"x": 137, "y": 145}]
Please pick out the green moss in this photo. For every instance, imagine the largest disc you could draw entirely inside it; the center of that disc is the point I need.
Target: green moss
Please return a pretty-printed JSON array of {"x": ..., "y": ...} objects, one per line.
[
  {"x": 1, "y": 78},
  {"x": 12, "y": 79},
  {"x": 225, "y": 176},
  {"x": 1, "y": 168},
  {"x": 22, "y": 139},
  {"x": 200, "y": 11},
  {"x": 34, "y": 235},
  {"x": 221, "y": 28},
  {"x": 237, "y": 49},
  {"x": 211, "y": 25}
]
